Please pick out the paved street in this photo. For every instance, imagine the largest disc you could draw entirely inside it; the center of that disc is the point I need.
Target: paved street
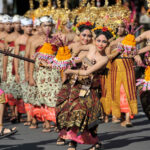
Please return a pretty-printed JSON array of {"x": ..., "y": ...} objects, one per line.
[{"x": 113, "y": 136}]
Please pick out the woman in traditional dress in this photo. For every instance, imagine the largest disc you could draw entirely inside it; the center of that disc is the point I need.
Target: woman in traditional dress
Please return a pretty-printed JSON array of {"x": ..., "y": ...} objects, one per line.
[
  {"x": 105, "y": 81},
  {"x": 78, "y": 105},
  {"x": 123, "y": 86}
]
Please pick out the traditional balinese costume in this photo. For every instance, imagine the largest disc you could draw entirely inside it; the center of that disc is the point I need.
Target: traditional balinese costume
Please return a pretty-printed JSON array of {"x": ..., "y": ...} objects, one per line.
[
  {"x": 123, "y": 79},
  {"x": 48, "y": 83},
  {"x": 48, "y": 80},
  {"x": 78, "y": 108}
]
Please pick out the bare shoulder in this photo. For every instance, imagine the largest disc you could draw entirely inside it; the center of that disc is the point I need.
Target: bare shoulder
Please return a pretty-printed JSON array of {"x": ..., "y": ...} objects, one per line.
[{"x": 36, "y": 43}]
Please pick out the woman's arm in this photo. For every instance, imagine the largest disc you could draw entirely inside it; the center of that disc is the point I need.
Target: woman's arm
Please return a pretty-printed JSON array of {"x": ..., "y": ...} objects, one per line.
[
  {"x": 77, "y": 50},
  {"x": 97, "y": 66},
  {"x": 144, "y": 50},
  {"x": 142, "y": 37},
  {"x": 80, "y": 57},
  {"x": 111, "y": 54}
]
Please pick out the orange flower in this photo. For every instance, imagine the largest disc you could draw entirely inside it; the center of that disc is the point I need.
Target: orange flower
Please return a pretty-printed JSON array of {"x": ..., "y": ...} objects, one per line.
[
  {"x": 147, "y": 73},
  {"x": 47, "y": 49},
  {"x": 63, "y": 53}
]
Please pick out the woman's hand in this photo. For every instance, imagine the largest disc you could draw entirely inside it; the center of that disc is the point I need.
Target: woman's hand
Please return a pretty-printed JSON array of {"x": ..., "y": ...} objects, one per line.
[{"x": 138, "y": 60}]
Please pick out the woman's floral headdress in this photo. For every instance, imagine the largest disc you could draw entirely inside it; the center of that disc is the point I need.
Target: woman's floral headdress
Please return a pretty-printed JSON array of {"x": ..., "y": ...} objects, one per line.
[
  {"x": 105, "y": 29},
  {"x": 85, "y": 23}
]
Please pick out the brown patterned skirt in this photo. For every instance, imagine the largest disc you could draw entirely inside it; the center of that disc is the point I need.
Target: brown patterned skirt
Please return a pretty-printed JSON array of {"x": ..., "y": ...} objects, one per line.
[{"x": 74, "y": 111}]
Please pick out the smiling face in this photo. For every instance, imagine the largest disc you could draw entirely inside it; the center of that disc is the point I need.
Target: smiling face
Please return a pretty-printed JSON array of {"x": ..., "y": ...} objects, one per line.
[
  {"x": 85, "y": 37},
  {"x": 101, "y": 42}
]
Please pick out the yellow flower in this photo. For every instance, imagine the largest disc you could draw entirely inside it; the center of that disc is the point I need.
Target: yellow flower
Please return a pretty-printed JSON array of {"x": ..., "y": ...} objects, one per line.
[
  {"x": 147, "y": 73},
  {"x": 47, "y": 49},
  {"x": 129, "y": 40},
  {"x": 63, "y": 53}
]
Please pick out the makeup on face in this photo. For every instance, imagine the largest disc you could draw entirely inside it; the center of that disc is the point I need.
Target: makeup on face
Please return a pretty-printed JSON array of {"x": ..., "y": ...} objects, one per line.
[
  {"x": 101, "y": 42},
  {"x": 85, "y": 37}
]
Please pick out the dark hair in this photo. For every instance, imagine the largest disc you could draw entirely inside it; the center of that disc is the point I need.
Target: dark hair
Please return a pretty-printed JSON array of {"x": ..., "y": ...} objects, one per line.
[
  {"x": 85, "y": 26},
  {"x": 107, "y": 33}
]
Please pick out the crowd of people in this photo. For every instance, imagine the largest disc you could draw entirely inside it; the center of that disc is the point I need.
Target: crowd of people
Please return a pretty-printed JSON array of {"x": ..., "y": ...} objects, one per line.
[{"x": 99, "y": 82}]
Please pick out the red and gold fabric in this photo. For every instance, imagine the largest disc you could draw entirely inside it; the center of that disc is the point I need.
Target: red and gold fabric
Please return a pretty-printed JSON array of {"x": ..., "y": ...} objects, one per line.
[{"x": 78, "y": 116}]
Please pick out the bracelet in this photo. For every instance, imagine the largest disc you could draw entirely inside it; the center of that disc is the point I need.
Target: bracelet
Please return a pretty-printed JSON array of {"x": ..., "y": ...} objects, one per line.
[{"x": 1, "y": 125}]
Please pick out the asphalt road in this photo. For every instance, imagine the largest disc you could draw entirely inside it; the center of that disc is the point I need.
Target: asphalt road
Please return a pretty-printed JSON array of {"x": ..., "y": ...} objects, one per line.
[{"x": 113, "y": 136}]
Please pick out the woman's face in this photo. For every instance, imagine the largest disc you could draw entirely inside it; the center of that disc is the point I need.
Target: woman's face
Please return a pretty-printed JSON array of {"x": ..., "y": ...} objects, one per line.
[
  {"x": 85, "y": 37},
  {"x": 101, "y": 42},
  {"x": 121, "y": 30}
]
